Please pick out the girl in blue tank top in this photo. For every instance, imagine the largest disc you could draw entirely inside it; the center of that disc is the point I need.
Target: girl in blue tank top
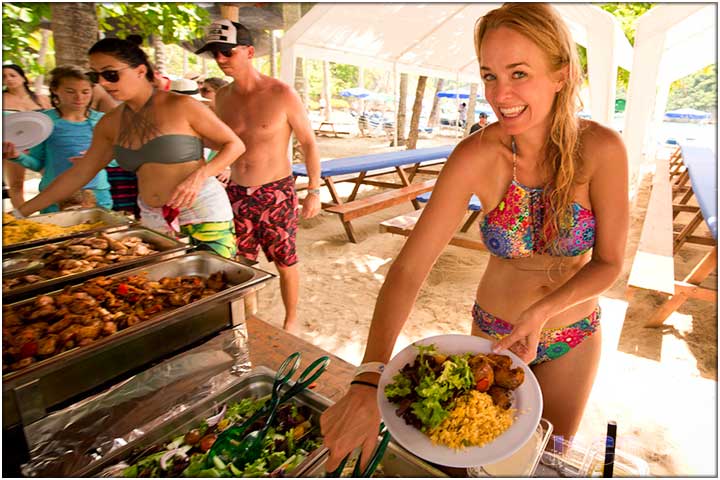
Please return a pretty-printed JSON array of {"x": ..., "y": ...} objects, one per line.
[{"x": 74, "y": 122}]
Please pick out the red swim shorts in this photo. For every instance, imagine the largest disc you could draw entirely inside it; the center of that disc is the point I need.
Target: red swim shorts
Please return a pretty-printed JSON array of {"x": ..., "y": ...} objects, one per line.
[{"x": 266, "y": 216}]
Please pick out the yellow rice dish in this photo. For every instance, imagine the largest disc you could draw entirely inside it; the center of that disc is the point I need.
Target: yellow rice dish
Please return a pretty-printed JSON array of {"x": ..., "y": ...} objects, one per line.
[
  {"x": 15, "y": 230},
  {"x": 474, "y": 422}
]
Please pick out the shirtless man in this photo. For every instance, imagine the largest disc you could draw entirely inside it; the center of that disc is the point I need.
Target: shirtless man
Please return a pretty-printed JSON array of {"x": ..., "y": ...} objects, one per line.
[{"x": 263, "y": 112}]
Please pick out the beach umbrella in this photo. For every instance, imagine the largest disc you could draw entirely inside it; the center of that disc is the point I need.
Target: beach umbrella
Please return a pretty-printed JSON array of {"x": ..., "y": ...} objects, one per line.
[
  {"x": 356, "y": 92},
  {"x": 688, "y": 114},
  {"x": 456, "y": 94}
]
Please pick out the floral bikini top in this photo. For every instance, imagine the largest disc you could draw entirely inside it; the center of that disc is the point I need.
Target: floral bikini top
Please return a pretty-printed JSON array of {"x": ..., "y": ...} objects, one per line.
[{"x": 514, "y": 228}]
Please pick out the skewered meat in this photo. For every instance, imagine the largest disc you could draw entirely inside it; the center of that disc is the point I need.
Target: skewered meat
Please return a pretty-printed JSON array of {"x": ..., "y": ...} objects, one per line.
[{"x": 82, "y": 314}]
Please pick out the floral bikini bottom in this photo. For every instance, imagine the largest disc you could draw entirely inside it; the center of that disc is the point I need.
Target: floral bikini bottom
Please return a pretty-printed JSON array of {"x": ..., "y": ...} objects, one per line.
[{"x": 554, "y": 342}]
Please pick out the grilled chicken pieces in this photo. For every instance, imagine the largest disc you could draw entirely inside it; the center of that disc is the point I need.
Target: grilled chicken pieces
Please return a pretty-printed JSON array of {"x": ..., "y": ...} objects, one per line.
[
  {"x": 494, "y": 374},
  {"x": 100, "y": 307}
]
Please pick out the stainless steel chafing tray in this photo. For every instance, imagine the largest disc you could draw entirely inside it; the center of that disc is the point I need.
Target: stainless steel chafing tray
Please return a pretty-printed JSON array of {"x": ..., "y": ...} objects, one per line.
[
  {"x": 396, "y": 462},
  {"x": 112, "y": 221},
  {"x": 254, "y": 384},
  {"x": 30, "y": 392},
  {"x": 166, "y": 248}
]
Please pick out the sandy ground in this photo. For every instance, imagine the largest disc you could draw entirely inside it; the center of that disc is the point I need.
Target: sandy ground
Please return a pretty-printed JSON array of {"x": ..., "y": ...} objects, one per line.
[{"x": 659, "y": 385}]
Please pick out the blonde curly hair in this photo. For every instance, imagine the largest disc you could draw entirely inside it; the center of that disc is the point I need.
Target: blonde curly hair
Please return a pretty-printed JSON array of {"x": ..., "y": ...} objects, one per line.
[{"x": 542, "y": 25}]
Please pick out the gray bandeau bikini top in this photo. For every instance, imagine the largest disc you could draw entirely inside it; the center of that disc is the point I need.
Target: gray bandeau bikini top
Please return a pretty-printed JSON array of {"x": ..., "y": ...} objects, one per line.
[{"x": 173, "y": 148}]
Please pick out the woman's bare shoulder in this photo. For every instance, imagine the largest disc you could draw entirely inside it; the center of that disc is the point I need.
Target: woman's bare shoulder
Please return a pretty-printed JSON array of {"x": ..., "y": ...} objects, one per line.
[
  {"x": 481, "y": 148},
  {"x": 601, "y": 146}
]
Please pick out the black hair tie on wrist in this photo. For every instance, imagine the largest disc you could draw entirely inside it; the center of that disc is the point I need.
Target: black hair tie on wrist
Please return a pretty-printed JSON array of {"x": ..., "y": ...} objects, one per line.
[{"x": 362, "y": 382}]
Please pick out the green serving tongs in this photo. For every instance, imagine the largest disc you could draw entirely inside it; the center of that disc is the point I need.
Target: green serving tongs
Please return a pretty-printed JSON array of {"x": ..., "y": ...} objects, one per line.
[
  {"x": 228, "y": 442},
  {"x": 374, "y": 460}
]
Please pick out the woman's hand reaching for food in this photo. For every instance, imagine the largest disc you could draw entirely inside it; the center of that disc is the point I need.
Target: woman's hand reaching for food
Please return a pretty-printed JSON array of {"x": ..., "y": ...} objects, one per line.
[
  {"x": 186, "y": 192},
  {"x": 351, "y": 422},
  {"x": 525, "y": 336}
]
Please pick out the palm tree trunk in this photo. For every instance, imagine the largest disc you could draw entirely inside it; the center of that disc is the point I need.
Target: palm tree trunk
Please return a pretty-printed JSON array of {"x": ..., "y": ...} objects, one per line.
[
  {"x": 471, "y": 108},
  {"x": 273, "y": 54},
  {"x": 159, "y": 47},
  {"x": 417, "y": 110},
  {"x": 75, "y": 30},
  {"x": 402, "y": 108},
  {"x": 435, "y": 111},
  {"x": 42, "y": 53}
]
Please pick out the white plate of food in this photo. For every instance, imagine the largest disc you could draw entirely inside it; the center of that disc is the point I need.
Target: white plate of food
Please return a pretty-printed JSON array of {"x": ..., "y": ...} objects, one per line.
[
  {"x": 501, "y": 431},
  {"x": 26, "y": 129}
]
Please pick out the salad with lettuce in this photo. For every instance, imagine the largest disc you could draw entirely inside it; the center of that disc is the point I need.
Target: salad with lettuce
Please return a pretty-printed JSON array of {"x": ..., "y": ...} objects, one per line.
[
  {"x": 426, "y": 390},
  {"x": 291, "y": 437}
]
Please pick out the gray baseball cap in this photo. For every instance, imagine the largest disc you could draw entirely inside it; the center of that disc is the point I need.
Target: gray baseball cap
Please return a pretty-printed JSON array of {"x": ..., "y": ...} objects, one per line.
[{"x": 225, "y": 33}]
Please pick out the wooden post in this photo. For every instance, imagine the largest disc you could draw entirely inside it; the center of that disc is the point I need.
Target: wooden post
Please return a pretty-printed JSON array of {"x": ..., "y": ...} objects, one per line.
[{"x": 230, "y": 11}]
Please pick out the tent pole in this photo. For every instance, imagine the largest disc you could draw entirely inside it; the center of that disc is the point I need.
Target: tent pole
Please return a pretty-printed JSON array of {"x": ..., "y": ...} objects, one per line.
[
  {"x": 395, "y": 104},
  {"x": 457, "y": 103}
]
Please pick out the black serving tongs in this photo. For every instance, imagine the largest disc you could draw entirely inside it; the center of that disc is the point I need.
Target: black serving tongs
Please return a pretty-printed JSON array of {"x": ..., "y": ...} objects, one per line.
[{"x": 372, "y": 464}]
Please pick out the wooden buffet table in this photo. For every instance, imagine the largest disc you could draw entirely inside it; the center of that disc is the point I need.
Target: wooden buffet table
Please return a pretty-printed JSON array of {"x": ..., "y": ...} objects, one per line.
[{"x": 270, "y": 345}]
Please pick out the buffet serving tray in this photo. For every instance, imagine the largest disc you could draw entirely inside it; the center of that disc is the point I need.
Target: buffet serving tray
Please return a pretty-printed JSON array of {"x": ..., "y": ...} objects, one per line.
[
  {"x": 112, "y": 221},
  {"x": 28, "y": 393},
  {"x": 255, "y": 384},
  {"x": 167, "y": 248}
]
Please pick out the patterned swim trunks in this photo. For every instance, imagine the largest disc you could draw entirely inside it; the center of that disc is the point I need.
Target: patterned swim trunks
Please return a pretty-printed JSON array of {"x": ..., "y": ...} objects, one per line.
[
  {"x": 266, "y": 216},
  {"x": 554, "y": 342}
]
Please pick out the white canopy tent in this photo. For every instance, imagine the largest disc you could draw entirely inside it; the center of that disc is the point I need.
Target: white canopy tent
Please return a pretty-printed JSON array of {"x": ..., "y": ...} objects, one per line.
[
  {"x": 672, "y": 41},
  {"x": 436, "y": 39}
]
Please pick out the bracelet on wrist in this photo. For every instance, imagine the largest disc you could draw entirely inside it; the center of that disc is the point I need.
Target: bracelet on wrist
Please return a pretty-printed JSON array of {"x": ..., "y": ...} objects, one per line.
[
  {"x": 362, "y": 382},
  {"x": 313, "y": 191},
  {"x": 370, "y": 367}
]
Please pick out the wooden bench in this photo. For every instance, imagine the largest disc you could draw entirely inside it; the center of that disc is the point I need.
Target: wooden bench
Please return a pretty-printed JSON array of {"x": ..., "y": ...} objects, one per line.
[
  {"x": 365, "y": 206},
  {"x": 653, "y": 267},
  {"x": 404, "y": 225},
  {"x": 331, "y": 130}
]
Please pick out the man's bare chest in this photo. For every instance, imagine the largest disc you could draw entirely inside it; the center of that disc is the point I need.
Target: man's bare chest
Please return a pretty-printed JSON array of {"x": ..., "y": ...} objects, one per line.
[{"x": 252, "y": 119}]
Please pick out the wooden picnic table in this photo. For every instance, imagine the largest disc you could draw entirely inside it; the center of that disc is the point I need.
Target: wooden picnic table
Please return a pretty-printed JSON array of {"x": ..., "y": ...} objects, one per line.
[{"x": 361, "y": 169}]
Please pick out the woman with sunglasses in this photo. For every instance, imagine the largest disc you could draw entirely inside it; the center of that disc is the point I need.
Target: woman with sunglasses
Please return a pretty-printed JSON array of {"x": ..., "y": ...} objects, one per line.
[
  {"x": 158, "y": 135},
  {"x": 18, "y": 97},
  {"x": 210, "y": 87},
  {"x": 71, "y": 95}
]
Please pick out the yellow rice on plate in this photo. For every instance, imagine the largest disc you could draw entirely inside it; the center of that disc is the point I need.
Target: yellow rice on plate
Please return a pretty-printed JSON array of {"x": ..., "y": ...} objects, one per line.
[
  {"x": 15, "y": 230},
  {"x": 474, "y": 422}
]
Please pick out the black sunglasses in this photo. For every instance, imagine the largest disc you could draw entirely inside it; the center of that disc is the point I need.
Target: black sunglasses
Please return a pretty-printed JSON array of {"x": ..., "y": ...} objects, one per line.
[
  {"x": 111, "y": 76},
  {"x": 226, "y": 52}
]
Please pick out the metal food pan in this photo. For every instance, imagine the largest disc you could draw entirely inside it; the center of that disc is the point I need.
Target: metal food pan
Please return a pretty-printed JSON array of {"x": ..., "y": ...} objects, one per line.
[
  {"x": 254, "y": 384},
  {"x": 30, "y": 392},
  {"x": 167, "y": 248},
  {"x": 395, "y": 463},
  {"x": 112, "y": 221}
]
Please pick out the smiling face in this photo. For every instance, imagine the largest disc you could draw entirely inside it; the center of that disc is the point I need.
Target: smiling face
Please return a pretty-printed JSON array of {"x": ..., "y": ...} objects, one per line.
[
  {"x": 73, "y": 94},
  {"x": 11, "y": 79},
  {"x": 129, "y": 80},
  {"x": 519, "y": 83}
]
